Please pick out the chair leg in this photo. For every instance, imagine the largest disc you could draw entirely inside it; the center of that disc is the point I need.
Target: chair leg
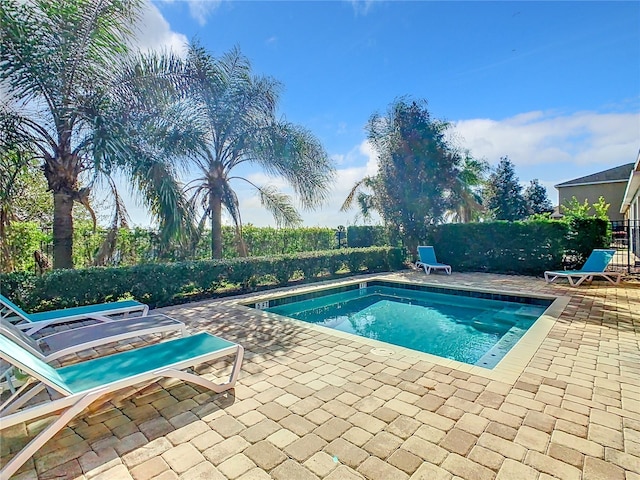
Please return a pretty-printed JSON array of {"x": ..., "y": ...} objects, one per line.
[
  {"x": 609, "y": 276},
  {"x": 586, "y": 278},
  {"x": 203, "y": 382},
  {"x": 43, "y": 437},
  {"x": 19, "y": 397}
]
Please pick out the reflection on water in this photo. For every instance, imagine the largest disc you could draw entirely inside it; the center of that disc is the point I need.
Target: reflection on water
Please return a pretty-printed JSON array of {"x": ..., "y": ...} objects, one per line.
[{"x": 461, "y": 328}]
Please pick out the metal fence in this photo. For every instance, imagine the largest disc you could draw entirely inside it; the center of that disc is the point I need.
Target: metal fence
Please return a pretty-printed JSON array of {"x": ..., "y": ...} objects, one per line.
[{"x": 625, "y": 238}]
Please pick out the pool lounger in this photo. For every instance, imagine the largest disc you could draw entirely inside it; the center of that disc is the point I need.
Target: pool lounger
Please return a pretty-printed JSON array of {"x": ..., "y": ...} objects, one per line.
[
  {"x": 595, "y": 266},
  {"x": 57, "y": 345},
  {"x": 81, "y": 384},
  {"x": 428, "y": 261},
  {"x": 32, "y": 322}
]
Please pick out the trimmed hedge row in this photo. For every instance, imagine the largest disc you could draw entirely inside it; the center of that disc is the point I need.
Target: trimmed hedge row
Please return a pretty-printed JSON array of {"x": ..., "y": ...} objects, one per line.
[
  {"x": 583, "y": 236},
  {"x": 166, "y": 284},
  {"x": 517, "y": 247},
  {"x": 367, "y": 236}
]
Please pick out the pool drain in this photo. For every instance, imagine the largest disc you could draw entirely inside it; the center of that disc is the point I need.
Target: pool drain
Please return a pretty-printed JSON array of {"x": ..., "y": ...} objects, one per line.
[{"x": 383, "y": 352}]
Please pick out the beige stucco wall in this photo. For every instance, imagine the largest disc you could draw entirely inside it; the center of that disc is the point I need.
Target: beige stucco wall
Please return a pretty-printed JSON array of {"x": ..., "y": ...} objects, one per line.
[
  {"x": 634, "y": 224},
  {"x": 612, "y": 193},
  {"x": 633, "y": 212}
]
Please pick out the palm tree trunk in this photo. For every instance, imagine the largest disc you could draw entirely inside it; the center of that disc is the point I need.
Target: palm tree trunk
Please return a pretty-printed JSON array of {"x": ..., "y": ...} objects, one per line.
[
  {"x": 6, "y": 262},
  {"x": 215, "y": 204},
  {"x": 62, "y": 230}
]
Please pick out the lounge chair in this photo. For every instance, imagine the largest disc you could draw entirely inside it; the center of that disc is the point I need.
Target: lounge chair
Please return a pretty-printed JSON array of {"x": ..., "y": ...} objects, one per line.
[
  {"x": 428, "y": 261},
  {"x": 594, "y": 267},
  {"x": 52, "y": 347},
  {"x": 81, "y": 384},
  {"x": 32, "y": 322}
]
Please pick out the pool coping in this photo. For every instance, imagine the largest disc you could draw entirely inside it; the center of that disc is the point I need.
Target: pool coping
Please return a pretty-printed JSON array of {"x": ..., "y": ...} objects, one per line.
[{"x": 508, "y": 370}]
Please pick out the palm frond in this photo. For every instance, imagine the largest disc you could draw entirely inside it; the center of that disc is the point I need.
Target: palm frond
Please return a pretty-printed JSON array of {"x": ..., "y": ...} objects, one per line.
[
  {"x": 280, "y": 206},
  {"x": 162, "y": 194},
  {"x": 119, "y": 220},
  {"x": 231, "y": 203},
  {"x": 366, "y": 182},
  {"x": 294, "y": 153}
]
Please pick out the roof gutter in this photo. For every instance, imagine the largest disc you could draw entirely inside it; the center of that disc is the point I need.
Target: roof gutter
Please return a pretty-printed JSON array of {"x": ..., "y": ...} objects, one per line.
[{"x": 562, "y": 185}]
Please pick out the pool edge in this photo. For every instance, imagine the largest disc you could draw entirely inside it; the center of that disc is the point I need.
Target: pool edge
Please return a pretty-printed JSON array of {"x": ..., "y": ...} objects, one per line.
[{"x": 508, "y": 370}]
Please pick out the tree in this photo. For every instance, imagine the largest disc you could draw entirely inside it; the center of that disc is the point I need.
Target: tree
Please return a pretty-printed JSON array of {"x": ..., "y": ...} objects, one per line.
[
  {"x": 233, "y": 116},
  {"x": 23, "y": 198},
  {"x": 23, "y": 190},
  {"x": 65, "y": 99},
  {"x": 536, "y": 199},
  {"x": 57, "y": 57},
  {"x": 465, "y": 202},
  {"x": 362, "y": 193},
  {"x": 417, "y": 170},
  {"x": 574, "y": 209},
  {"x": 503, "y": 193}
]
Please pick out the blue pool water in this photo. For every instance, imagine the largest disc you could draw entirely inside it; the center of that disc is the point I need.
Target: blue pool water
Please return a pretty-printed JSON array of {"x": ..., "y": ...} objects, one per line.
[{"x": 477, "y": 331}]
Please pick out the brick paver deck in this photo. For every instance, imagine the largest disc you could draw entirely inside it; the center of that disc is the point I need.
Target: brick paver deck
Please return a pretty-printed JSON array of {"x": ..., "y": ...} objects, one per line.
[{"x": 312, "y": 405}]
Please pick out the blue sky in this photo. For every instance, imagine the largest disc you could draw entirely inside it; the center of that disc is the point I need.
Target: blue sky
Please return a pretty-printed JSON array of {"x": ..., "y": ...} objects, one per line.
[{"x": 553, "y": 85}]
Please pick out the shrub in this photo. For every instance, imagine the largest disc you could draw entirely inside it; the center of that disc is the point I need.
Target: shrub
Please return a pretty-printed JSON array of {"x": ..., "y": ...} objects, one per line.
[
  {"x": 504, "y": 247},
  {"x": 529, "y": 247},
  {"x": 585, "y": 234},
  {"x": 166, "y": 284},
  {"x": 367, "y": 236},
  {"x": 23, "y": 238}
]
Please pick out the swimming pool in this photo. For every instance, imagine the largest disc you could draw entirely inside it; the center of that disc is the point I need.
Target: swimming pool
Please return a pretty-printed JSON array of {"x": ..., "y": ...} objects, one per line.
[{"x": 476, "y": 328}]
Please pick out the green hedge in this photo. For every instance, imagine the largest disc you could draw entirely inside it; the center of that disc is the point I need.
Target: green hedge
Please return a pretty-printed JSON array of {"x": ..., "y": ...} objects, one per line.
[
  {"x": 583, "y": 236},
  {"x": 367, "y": 236},
  {"x": 167, "y": 284},
  {"x": 262, "y": 241},
  {"x": 517, "y": 247}
]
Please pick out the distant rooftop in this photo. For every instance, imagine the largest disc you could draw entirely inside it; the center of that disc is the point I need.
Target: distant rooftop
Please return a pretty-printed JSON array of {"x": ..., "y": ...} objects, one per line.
[{"x": 615, "y": 174}]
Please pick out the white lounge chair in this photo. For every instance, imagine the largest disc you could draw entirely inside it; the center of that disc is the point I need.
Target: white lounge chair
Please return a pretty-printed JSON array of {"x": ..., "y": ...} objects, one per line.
[
  {"x": 57, "y": 345},
  {"x": 428, "y": 261},
  {"x": 81, "y": 384},
  {"x": 32, "y": 322},
  {"x": 594, "y": 267}
]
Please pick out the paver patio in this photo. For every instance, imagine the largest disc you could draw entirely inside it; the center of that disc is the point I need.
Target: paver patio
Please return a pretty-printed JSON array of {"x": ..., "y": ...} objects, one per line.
[{"x": 310, "y": 405}]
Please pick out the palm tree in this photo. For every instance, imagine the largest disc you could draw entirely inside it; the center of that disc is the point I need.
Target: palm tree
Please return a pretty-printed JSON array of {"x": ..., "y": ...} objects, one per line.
[
  {"x": 465, "y": 199},
  {"x": 63, "y": 98},
  {"x": 360, "y": 194},
  {"x": 234, "y": 114}
]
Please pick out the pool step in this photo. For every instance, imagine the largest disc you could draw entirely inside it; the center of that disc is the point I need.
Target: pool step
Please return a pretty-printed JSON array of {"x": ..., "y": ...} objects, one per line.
[
  {"x": 493, "y": 322},
  {"x": 499, "y": 350},
  {"x": 502, "y": 320}
]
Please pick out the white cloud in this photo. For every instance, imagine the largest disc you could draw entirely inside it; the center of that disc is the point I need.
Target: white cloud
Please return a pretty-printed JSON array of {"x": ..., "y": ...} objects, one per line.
[
  {"x": 363, "y": 161},
  {"x": 362, "y": 7},
  {"x": 551, "y": 146},
  {"x": 200, "y": 10},
  {"x": 153, "y": 32},
  {"x": 534, "y": 138}
]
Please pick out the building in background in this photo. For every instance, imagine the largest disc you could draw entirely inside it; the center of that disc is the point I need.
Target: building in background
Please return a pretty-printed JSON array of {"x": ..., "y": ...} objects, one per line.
[
  {"x": 630, "y": 207},
  {"x": 610, "y": 184}
]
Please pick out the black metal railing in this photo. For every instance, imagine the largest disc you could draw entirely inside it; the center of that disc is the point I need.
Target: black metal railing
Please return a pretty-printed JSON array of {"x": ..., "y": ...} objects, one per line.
[{"x": 625, "y": 238}]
